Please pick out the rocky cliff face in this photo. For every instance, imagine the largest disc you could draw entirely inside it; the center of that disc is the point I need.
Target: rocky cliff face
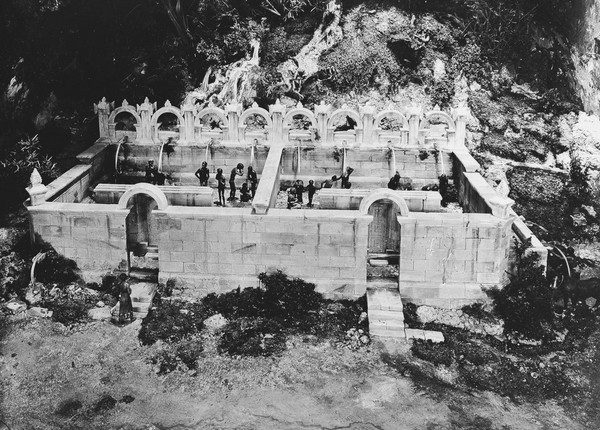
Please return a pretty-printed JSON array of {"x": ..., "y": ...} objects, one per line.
[{"x": 586, "y": 55}]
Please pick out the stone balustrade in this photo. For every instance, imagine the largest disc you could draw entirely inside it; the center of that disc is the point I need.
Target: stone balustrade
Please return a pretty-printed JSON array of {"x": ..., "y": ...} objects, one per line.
[{"x": 409, "y": 127}]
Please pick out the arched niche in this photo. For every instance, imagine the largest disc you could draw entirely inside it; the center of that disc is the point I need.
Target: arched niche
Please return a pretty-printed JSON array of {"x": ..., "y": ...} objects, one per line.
[
  {"x": 383, "y": 194},
  {"x": 299, "y": 134},
  {"x": 143, "y": 188},
  {"x": 255, "y": 134},
  {"x": 345, "y": 112},
  {"x": 436, "y": 128},
  {"x": 162, "y": 134},
  {"x": 112, "y": 122},
  {"x": 219, "y": 113}
]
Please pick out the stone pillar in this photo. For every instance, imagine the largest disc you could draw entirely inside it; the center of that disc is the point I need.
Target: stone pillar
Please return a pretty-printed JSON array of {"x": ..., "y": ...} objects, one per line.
[
  {"x": 368, "y": 113},
  {"x": 460, "y": 120},
  {"x": 277, "y": 112},
  {"x": 103, "y": 111},
  {"x": 37, "y": 190},
  {"x": 233, "y": 115},
  {"x": 145, "y": 110},
  {"x": 414, "y": 117},
  {"x": 321, "y": 112},
  {"x": 187, "y": 134}
]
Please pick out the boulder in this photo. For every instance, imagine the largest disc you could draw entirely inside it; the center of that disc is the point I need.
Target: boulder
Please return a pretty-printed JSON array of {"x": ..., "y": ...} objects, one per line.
[
  {"x": 215, "y": 322},
  {"x": 16, "y": 306},
  {"x": 38, "y": 312},
  {"x": 100, "y": 314},
  {"x": 578, "y": 220},
  {"x": 591, "y": 301}
]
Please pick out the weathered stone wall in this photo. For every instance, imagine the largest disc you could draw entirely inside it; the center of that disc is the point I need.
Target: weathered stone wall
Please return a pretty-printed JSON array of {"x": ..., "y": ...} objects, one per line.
[
  {"x": 216, "y": 250},
  {"x": 320, "y": 163},
  {"x": 70, "y": 187},
  {"x": 93, "y": 235},
  {"x": 449, "y": 260},
  {"x": 340, "y": 199}
]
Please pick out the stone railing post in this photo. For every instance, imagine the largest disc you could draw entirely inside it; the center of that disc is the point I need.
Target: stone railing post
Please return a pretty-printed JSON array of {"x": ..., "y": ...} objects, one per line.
[
  {"x": 37, "y": 190},
  {"x": 367, "y": 113},
  {"x": 234, "y": 111},
  {"x": 414, "y": 117},
  {"x": 322, "y": 112},
  {"x": 501, "y": 206},
  {"x": 145, "y": 110},
  {"x": 460, "y": 120},
  {"x": 103, "y": 111},
  {"x": 187, "y": 134},
  {"x": 277, "y": 112}
]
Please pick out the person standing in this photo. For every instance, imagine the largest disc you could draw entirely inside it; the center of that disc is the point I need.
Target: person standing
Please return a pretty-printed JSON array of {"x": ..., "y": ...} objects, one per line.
[
  {"x": 346, "y": 178},
  {"x": 311, "y": 192},
  {"x": 253, "y": 180},
  {"x": 203, "y": 174},
  {"x": 299, "y": 191},
  {"x": 221, "y": 186},
  {"x": 151, "y": 172},
  {"x": 125, "y": 305},
  {"x": 238, "y": 170}
]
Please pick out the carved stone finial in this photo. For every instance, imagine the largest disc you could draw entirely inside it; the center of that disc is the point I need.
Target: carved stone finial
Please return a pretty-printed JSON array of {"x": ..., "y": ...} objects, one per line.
[
  {"x": 254, "y": 105},
  {"x": 147, "y": 100},
  {"x": 35, "y": 177},
  {"x": 125, "y": 103},
  {"x": 37, "y": 190},
  {"x": 277, "y": 102},
  {"x": 436, "y": 108},
  {"x": 299, "y": 105},
  {"x": 167, "y": 103}
]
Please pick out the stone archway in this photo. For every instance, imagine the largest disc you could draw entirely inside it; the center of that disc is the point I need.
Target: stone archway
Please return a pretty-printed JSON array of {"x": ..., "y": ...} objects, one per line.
[
  {"x": 384, "y": 231},
  {"x": 140, "y": 225}
]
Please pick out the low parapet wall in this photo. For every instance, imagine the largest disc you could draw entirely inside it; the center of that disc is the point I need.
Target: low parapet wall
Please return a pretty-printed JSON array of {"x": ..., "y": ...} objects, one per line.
[
  {"x": 450, "y": 261},
  {"x": 215, "y": 249},
  {"x": 341, "y": 199},
  {"x": 477, "y": 196},
  {"x": 177, "y": 196}
]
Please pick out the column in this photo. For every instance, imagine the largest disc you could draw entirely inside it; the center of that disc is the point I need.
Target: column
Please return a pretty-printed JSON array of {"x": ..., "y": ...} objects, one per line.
[
  {"x": 367, "y": 113},
  {"x": 145, "y": 110},
  {"x": 321, "y": 112},
  {"x": 188, "y": 115},
  {"x": 460, "y": 114},
  {"x": 414, "y": 117},
  {"x": 103, "y": 111},
  {"x": 277, "y": 112},
  {"x": 233, "y": 115}
]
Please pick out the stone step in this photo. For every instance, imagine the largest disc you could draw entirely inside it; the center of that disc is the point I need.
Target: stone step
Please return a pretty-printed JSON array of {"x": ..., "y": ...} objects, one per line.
[
  {"x": 151, "y": 255},
  {"x": 384, "y": 299},
  {"x": 387, "y": 315},
  {"x": 144, "y": 274},
  {"x": 415, "y": 333},
  {"x": 141, "y": 307},
  {"x": 382, "y": 284}
]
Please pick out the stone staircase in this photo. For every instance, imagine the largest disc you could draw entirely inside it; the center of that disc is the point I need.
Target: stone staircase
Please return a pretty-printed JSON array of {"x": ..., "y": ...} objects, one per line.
[
  {"x": 143, "y": 283},
  {"x": 386, "y": 313}
]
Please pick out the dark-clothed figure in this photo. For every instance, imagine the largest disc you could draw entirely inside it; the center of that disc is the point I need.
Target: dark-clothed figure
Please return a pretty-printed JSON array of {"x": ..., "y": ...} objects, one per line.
[
  {"x": 151, "y": 172},
  {"x": 346, "y": 178},
  {"x": 311, "y": 192},
  {"x": 253, "y": 180},
  {"x": 292, "y": 202},
  {"x": 329, "y": 182},
  {"x": 238, "y": 170},
  {"x": 203, "y": 174},
  {"x": 299, "y": 190},
  {"x": 245, "y": 193},
  {"x": 221, "y": 186},
  {"x": 394, "y": 182},
  {"x": 125, "y": 305}
]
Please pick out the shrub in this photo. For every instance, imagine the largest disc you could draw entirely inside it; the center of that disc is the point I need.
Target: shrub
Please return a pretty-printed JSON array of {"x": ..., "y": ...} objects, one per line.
[
  {"x": 111, "y": 284},
  {"x": 287, "y": 298},
  {"x": 525, "y": 304},
  {"x": 56, "y": 269},
  {"x": 182, "y": 355},
  {"x": 68, "y": 308},
  {"x": 252, "y": 337},
  {"x": 435, "y": 353},
  {"x": 172, "y": 321}
]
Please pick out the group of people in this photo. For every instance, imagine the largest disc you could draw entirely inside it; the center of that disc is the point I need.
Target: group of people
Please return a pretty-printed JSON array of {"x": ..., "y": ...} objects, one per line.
[
  {"x": 153, "y": 176},
  {"x": 295, "y": 196},
  {"x": 247, "y": 191}
]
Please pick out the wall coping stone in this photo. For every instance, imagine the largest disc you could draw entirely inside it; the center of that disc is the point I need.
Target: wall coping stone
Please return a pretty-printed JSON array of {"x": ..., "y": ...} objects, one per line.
[{"x": 64, "y": 181}]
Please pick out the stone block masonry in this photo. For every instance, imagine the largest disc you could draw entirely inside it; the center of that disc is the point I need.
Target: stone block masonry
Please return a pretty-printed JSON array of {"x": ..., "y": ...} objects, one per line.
[
  {"x": 450, "y": 260},
  {"x": 92, "y": 235},
  {"x": 216, "y": 250}
]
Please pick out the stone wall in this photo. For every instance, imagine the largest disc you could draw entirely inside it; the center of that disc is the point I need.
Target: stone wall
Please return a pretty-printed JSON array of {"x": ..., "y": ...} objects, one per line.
[
  {"x": 340, "y": 199},
  {"x": 70, "y": 187},
  {"x": 448, "y": 261},
  {"x": 91, "y": 234},
  {"x": 423, "y": 167},
  {"x": 216, "y": 250}
]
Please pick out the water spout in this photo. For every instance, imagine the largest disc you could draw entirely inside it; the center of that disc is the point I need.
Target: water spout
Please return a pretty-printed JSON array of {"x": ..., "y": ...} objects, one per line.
[
  {"x": 298, "y": 158},
  {"x": 39, "y": 257},
  {"x": 122, "y": 141},
  {"x": 252, "y": 155},
  {"x": 160, "y": 156},
  {"x": 206, "y": 152},
  {"x": 391, "y": 148}
]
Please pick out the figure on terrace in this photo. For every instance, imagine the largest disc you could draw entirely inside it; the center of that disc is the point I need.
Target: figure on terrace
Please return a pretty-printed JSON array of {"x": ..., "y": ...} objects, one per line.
[
  {"x": 238, "y": 170},
  {"x": 253, "y": 180},
  {"x": 221, "y": 186},
  {"x": 329, "y": 182},
  {"x": 299, "y": 190},
  {"x": 311, "y": 192},
  {"x": 203, "y": 174},
  {"x": 394, "y": 181},
  {"x": 245, "y": 193},
  {"x": 292, "y": 202},
  {"x": 151, "y": 172},
  {"x": 125, "y": 305},
  {"x": 346, "y": 184}
]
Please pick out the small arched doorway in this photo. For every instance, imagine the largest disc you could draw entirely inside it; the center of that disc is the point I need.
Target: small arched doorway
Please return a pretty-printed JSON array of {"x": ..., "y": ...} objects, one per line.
[
  {"x": 384, "y": 230},
  {"x": 140, "y": 225}
]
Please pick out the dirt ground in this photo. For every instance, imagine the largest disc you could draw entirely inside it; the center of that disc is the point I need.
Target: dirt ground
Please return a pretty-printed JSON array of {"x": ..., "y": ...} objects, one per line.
[{"x": 98, "y": 377}]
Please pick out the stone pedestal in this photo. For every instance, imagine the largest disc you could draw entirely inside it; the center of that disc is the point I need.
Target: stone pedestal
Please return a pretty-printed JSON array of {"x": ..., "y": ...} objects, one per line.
[{"x": 37, "y": 191}]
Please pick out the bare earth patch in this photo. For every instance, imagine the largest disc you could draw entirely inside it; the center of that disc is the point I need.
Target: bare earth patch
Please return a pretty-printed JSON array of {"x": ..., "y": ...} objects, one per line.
[{"x": 98, "y": 377}]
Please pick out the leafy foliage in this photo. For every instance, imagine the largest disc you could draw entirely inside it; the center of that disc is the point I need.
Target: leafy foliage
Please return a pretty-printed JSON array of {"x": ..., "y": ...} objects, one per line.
[
  {"x": 181, "y": 355},
  {"x": 526, "y": 304},
  {"x": 172, "y": 322},
  {"x": 252, "y": 337},
  {"x": 56, "y": 269}
]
